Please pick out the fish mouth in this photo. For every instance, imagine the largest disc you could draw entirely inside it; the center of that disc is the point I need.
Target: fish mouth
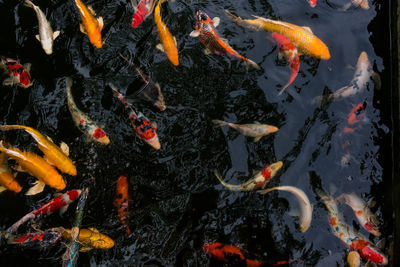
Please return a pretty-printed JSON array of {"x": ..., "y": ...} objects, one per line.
[
  {"x": 201, "y": 16},
  {"x": 275, "y": 167},
  {"x": 273, "y": 129},
  {"x": 104, "y": 140},
  {"x": 154, "y": 142}
]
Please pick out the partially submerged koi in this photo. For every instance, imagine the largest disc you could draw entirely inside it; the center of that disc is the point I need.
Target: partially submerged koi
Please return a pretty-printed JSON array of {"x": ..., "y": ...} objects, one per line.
[
  {"x": 258, "y": 181},
  {"x": 18, "y": 73},
  {"x": 121, "y": 202},
  {"x": 60, "y": 202},
  {"x": 7, "y": 181},
  {"x": 142, "y": 11},
  {"x": 54, "y": 155},
  {"x": 82, "y": 121},
  {"x": 90, "y": 25},
  {"x": 302, "y": 37},
  {"x": 211, "y": 39},
  {"x": 41, "y": 240},
  {"x": 89, "y": 239},
  {"x": 255, "y": 130}
]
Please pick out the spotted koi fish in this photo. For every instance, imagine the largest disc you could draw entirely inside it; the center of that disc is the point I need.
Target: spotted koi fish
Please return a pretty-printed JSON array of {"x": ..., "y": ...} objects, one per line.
[
  {"x": 7, "y": 181},
  {"x": 19, "y": 74},
  {"x": 142, "y": 11},
  {"x": 255, "y": 130},
  {"x": 288, "y": 50},
  {"x": 356, "y": 115},
  {"x": 86, "y": 125},
  {"x": 60, "y": 202},
  {"x": 90, "y": 25},
  {"x": 144, "y": 129},
  {"x": 211, "y": 39},
  {"x": 121, "y": 202},
  {"x": 42, "y": 240},
  {"x": 258, "y": 181}
]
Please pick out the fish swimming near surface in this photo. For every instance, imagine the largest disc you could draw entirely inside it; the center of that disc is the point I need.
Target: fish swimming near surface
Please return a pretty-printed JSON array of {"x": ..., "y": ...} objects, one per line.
[
  {"x": 121, "y": 202},
  {"x": 305, "y": 206},
  {"x": 54, "y": 155},
  {"x": 142, "y": 11},
  {"x": 7, "y": 181},
  {"x": 40, "y": 240},
  {"x": 353, "y": 259},
  {"x": 259, "y": 180},
  {"x": 46, "y": 35},
  {"x": 60, "y": 202},
  {"x": 256, "y": 130},
  {"x": 82, "y": 121},
  {"x": 37, "y": 167},
  {"x": 288, "y": 50},
  {"x": 356, "y": 115},
  {"x": 90, "y": 25},
  {"x": 18, "y": 73},
  {"x": 304, "y": 39},
  {"x": 211, "y": 39},
  {"x": 168, "y": 42},
  {"x": 88, "y": 239}
]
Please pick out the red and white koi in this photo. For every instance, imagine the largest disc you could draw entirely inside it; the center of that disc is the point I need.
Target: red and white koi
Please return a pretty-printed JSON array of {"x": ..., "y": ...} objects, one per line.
[
  {"x": 19, "y": 74},
  {"x": 288, "y": 50},
  {"x": 211, "y": 39},
  {"x": 86, "y": 125},
  {"x": 144, "y": 129},
  {"x": 258, "y": 181},
  {"x": 142, "y": 11},
  {"x": 60, "y": 202},
  {"x": 356, "y": 115},
  {"x": 44, "y": 239}
]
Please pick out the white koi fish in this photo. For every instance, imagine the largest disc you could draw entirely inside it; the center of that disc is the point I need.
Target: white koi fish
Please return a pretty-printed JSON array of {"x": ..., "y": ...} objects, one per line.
[{"x": 256, "y": 130}]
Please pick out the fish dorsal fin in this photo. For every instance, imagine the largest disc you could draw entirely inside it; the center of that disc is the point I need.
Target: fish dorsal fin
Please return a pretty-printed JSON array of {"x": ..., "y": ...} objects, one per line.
[
  {"x": 194, "y": 33},
  {"x": 216, "y": 21},
  {"x": 276, "y": 22},
  {"x": 307, "y": 29},
  {"x": 56, "y": 34},
  {"x": 92, "y": 10},
  {"x": 82, "y": 28}
]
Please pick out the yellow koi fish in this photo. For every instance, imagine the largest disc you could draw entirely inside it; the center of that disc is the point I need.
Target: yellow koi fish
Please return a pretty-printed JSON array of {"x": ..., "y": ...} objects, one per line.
[
  {"x": 91, "y": 26},
  {"x": 7, "y": 181},
  {"x": 54, "y": 155},
  {"x": 302, "y": 37},
  {"x": 168, "y": 42},
  {"x": 89, "y": 239},
  {"x": 36, "y": 166}
]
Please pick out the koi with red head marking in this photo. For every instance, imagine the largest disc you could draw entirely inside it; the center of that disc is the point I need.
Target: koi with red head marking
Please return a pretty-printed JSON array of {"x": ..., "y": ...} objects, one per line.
[
  {"x": 121, "y": 202},
  {"x": 18, "y": 74},
  {"x": 37, "y": 240},
  {"x": 142, "y": 11},
  {"x": 369, "y": 252}
]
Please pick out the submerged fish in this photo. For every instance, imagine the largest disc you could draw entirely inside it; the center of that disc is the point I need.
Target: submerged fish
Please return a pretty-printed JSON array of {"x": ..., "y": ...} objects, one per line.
[
  {"x": 89, "y": 239},
  {"x": 211, "y": 39},
  {"x": 302, "y": 37},
  {"x": 142, "y": 11},
  {"x": 305, "y": 206},
  {"x": 91, "y": 26},
  {"x": 46, "y": 35},
  {"x": 54, "y": 155},
  {"x": 356, "y": 115},
  {"x": 168, "y": 42},
  {"x": 42, "y": 240},
  {"x": 86, "y": 125},
  {"x": 37, "y": 167},
  {"x": 121, "y": 202},
  {"x": 259, "y": 180},
  {"x": 60, "y": 202},
  {"x": 289, "y": 51},
  {"x": 7, "y": 181},
  {"x": 255, "y": 130},
  {"x": 18, "y": 74}
]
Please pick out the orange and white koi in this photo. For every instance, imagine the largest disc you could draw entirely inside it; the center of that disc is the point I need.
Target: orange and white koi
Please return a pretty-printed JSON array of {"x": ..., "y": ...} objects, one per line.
[
  {"x": 256, "y": 130},
  {"x": 305, "y": 206},
  {"x": 86, "y": 125},
  {"x": 121, "y": 202},
  {"x": 54, "y": 155},
  {"x": 168, "y": 42},
  {"x": 356, "y": 115},
  {"x": 7, "y": 181},
  {"x": 258, "y": 181},
  {"x": 302, "y": 37},
  {"x": 211, "y": 39},
  {"x": 142, "y": 11},
  {"x": 91, "y": 26},
  {"x": 18, "y": 73},
  {"x": 289, "y": 51},
  {"x": 37, "y": 167}
]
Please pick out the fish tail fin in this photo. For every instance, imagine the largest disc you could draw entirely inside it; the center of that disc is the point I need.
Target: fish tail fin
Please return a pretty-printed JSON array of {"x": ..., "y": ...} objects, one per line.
[
  {"x": 68, "y": 83},
  {"x": 283, "y": 89},
  {"x": 234, "y": 17},
  {"x": 29, "y": 4},
  {"x": 250, "y": 62},
  {"x": 219, "y": 177},
  {"x": 219, "y": 123}
]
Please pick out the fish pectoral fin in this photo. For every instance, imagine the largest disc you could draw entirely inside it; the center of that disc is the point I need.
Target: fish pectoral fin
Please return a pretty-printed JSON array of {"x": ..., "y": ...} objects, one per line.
[
  {"x": 2, "y": 189},
  {"x": 36, "y": 189},
  {"x": 85, "y": 249},
  {"x": 9, "y": 81},
  {"x": 207, "y": 51},
  {"x": 194, "y": 33},
  {"x": 94, "y": 230},
  {"x": 56, "y": 34},
  {"x": 91, "y": 10},
  {"x": 216, "y": 21},
  {"x": 27, "y": 66},
  {"x": 37, "y": 37},
  {"x": 307, "y": 29},
  {"x": 160, "y": 47},
  {"x": 64, "y": 148},
  {"x": 101, "y": 22},
  {"x": 18, "y": 168},
  {"x": 377, "y": 80},
  {"x": 134, "y": 4},
  {"x": 256, "y": 139},
  {"x": 82, "y": 28},
  {"x": 175, "y": 41}
]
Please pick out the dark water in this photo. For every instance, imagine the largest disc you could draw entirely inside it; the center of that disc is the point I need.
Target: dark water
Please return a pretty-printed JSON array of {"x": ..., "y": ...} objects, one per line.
[{"x": 177, "y": 203}]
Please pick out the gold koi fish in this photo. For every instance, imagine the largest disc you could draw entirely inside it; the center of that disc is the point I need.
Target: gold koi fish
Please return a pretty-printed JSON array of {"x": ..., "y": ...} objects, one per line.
[
  {"x": 89, "y": 239},
  {"x": 91, "y": 26}
]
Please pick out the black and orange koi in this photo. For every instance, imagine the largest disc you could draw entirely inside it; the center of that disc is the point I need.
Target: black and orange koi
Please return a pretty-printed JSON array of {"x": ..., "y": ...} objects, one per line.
[{"x": 19, "y": 74}]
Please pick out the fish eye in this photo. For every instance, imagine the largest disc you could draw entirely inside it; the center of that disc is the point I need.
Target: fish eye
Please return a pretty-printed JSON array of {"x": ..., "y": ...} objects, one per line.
[{"x": 203, "y": 17}]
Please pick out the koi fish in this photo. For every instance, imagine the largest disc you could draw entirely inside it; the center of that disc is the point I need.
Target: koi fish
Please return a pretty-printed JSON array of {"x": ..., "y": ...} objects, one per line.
[
  {"x": 60, "y": 202},
  {"x": 289, "y": 51},
  {"x": 121, "y": 202},
  {"x": 144, "y": 129},
  {"x": 302, "y": 37},
  {"x": 211, "y": 39},
  {"x": 46, "y": 35},
  {"x": 37, "y": 167},
  {"x": 361, "y": 3},
  {"x": 91, "y": 26},
  {"x": 259, "y": 180},
  {"x": 355, "y": 116},
  {"x": 54, "y": 155},
  {"x": 312, "y": 3},
  {"x": 44, "y": 239},
  {"x": 255, "y": 130},
  {"x": 168, "y": 42},
  {"x": 369, "y": 252},
  {"x": 142, "y": 11},
  {"x": 353, "y": 259},
  {"x": 19, "y": 74},
  {"x": 86, "y": 125},
  {"x": 305, "y": 206},
  {"x": 7, "y": 181},
  {"x": 89, "y": 239},
  {"x": 365, "y": 217}
]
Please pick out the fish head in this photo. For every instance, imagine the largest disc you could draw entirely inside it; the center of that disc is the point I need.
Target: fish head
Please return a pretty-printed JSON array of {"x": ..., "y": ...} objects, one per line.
[
  {"x": 100, "y": 136},
  {"x": 353, "y": 259},
  {"x": 203, "y": 20},
  {"x": 271, "y": 129},
  {"x": 363, "y": 59},
  {"x": 215, "y": 249},
  {"x": 275, "y": 167}
]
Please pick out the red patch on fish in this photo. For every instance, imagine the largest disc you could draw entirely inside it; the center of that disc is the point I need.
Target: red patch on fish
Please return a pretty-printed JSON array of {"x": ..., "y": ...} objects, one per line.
[
  {"x": 16, "y": 69},
  {"x": 369, "y": 226},
  {"x": 81, "y": 121},
  {"x": 358, "y": 212},
  {"x": 333, "y": 221},
  {"x": 99, "y": 133},
  {"x": 266, "y": 173},
  {"x": 141, "y": 13},
  {"x": 368, "y": 252},
  {"x": 56, "y": 203},
  {"x": 312, "y": 3},
  {"x": 357, "y": 113},
  {"x": 145, "y": 130}
]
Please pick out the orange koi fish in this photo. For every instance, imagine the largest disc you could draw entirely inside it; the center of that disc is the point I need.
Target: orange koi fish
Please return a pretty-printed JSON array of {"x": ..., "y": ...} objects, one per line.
[
  {"x": 289, "y": 51},
  {"x": 88, "y": 238},
  {"x": 54, "y": 155},
  {"x": 91, "y": 26},
  {"x": 355, "y": 116},
  {"x": 168, "y": 42},
  {"x": 302, "y": 37},
  {"x": 121, "y": 201},
  {"x": 7, "y": 181},
  {"x": 37, "y": 167},
  {"x": 211, "y": 39}
]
